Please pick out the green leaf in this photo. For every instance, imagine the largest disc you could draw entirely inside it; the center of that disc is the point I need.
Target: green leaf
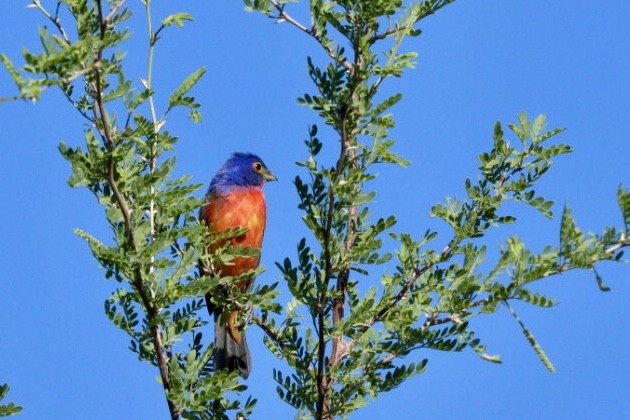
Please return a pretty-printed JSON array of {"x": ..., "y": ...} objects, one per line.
[
  {"x": 570, "y": 235},
  {"x": 15, "y": 74},
  {"x": 623, "y": 198},
  {"x": 536, "y": 299},
  {"x": 494, "y": 358},
  {"x": 600, "y": 282},
  {"x": 177, "y": 19},
  {"x": 186, "y": 85},
  {"x": 178, "y": 98},
  {"x": 7, "y": 409},
  {"x": 532, "y": 341}
]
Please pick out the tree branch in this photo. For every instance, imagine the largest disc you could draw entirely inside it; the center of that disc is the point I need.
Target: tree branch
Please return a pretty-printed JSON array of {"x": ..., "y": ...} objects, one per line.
[
  {"x": 138, "y": 280},
  {"x": 49, "y": 83},
  {"x": 312, "y": 32},
  {"x": 616, "y": 247},
  {"x": 274, "y": 336},
  {"x": 424, "y": 12},
  {"x": 54, "y": 19},
  {"x": 114, "y": 11}
]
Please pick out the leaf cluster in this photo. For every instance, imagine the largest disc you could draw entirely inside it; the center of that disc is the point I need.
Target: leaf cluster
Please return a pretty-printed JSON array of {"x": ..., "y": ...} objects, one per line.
[
  {"x": 157, "y": 243},
  {"x": 363, "y": 313},
  {"x": 344, "y": 338},
  {"x": 7, "y": 409}
]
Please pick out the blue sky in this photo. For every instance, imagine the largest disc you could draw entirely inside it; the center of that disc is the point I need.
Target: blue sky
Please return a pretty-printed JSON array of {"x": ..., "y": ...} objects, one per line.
[{"x": 480, "y": 61}]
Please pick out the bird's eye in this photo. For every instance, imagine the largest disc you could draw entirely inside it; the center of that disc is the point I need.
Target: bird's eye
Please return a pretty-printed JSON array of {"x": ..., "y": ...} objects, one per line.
[{"x": 257, "y": 166}]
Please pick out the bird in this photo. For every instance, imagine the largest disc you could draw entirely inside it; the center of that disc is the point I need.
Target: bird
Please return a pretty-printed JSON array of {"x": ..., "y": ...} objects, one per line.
[{"x": 235, "y": 199}]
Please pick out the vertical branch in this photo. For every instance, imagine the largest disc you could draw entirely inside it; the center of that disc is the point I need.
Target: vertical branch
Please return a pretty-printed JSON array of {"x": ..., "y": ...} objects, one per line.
[
  {"x": 321, "y": 355},
  {"x": 109, "y": 140},
  {"x": 324, "y": 383},
  {"x": 157, "y": 336},
  {"x": 322, "y": 408},
  {"x": 156, "y": 126},
  {"x": 348, "y": 121}
]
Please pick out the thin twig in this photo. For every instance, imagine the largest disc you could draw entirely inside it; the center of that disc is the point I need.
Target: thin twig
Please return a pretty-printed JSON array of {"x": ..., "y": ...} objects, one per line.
[
  {"x": 114, "y": 11},
  {"x": 54, "y": 19},
  {"x": 616, "y": 247},
  {"x": 273, "y": 335},
  {"x": 427, "y": 12},
  {"x": 282, "y": 15},
  {"x": 50, "y": 83}
]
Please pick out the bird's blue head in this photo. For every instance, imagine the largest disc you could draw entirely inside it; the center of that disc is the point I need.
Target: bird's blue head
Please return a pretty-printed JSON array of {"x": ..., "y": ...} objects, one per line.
[{"x": 241, "y": 170}]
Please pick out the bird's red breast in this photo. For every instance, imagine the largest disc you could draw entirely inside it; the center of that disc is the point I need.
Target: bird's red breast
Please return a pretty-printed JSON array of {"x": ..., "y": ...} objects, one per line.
[{"x": 241, "y": 207}]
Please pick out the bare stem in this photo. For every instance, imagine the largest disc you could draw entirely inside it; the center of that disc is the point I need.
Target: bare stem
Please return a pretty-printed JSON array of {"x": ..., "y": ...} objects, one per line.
[
  {"x": 54, "y": 19},
  {"x": 616, "y": 247},
  {"x": 114, "y": 11}
]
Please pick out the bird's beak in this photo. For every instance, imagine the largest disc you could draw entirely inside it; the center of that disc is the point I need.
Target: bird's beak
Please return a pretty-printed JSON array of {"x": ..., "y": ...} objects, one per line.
[{"x": 267, "y": 175}]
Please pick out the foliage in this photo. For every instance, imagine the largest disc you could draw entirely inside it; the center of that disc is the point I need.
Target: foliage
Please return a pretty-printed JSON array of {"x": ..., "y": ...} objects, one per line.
[
  {"x": 127, "y": 163},
  {"x": 360, "y": 312},
  {"x": 7, "y": 409},
  {"x": 359, "y": 339}
]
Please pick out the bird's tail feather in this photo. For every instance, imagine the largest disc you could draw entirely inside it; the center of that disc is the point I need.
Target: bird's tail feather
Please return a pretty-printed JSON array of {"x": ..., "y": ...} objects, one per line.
[{"x": 228, "y": 353}]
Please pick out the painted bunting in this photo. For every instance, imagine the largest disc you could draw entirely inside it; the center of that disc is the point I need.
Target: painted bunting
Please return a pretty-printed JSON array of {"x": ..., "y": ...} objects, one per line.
[{"x": 235, "y": 199}]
